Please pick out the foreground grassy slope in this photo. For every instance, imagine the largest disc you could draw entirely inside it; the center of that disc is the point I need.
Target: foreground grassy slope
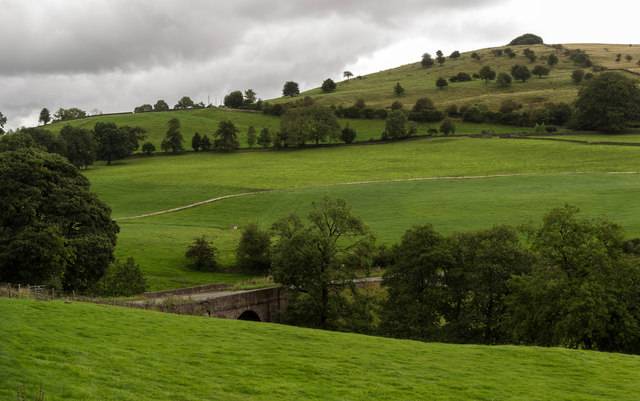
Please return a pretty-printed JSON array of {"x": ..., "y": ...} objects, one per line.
[
  {"x": 377, "y": 88},
  {"x": 547, "y": 174},
  {"x": 99, "y": 353}
]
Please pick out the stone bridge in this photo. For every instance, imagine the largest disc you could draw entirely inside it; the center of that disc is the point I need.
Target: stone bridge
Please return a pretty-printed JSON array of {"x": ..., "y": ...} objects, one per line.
[{"x": 263, "y": 305}]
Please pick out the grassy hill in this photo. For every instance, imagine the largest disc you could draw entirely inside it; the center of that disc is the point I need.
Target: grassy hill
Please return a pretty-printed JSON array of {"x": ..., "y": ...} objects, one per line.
[
  {"x": 377, "y": 89},
  {"x": 98, "y": 353},
  {"x": 391, "y": 186}
]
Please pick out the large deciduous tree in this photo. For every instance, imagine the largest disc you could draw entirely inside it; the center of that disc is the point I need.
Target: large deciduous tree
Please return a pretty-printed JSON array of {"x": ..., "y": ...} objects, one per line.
[
  {"x": 80, "y": 145},
  {"x": 45, "y": 116},
  {"x": 173, "y": 141},
  {"x": 290, "y": 89},
  {"x": 309, "y": 123},
  {"x": 226, "y": 137},
  {"x": 113, "y": 143}
]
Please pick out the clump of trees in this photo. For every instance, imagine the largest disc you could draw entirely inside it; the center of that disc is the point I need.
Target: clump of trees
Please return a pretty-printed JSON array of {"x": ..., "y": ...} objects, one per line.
[
  {"x": 290, "y": 89},
  {"x": 313, "y": 123},
  {"x": 527, "y": 39},
  {"x": 73, "y": 113},
  {"x": 173, "y": 141}
]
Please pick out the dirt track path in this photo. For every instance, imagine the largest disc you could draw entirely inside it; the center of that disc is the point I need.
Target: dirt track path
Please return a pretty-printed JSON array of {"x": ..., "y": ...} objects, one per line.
[{"x": 441, "y": 178}]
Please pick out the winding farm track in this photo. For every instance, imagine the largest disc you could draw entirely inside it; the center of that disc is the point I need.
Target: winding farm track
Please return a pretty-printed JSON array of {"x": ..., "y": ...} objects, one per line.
[{"x": 441, "y": 178}]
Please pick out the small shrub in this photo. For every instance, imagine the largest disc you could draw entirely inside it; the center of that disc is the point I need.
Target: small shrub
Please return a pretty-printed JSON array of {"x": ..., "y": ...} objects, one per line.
[
  {"x": 148, "y": 148},
  {"x": 348, "y": 135},
  {"x": 202, "y": 255},
  {"x": 122, "y": 279},
  {"x": 448, "y": 127}
]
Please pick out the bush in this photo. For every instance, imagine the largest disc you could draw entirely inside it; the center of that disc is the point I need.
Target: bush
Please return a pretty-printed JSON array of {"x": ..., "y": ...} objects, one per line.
[
  {"x": 395, "y": 125},
  {"x": 460, "y": 77},
  {"x": 448, "y": 127},
  {"x": 202, "y": 255},
  {"x": 148, "y": 148},
  {"x": 503, "y": 80},
  {"x": 253, "y": 253},
  {"x": 527, "y": 39},
  {"x": 577, "y": 76},
  {"x": 348, "y": 135},
  {"x": 474, "y": 114},
  {"x": 452, "y": 111},
  {"x": 396, "y": 105},
  {"x": 122, "y": 280},
  {"x": 329, "y": 86}
]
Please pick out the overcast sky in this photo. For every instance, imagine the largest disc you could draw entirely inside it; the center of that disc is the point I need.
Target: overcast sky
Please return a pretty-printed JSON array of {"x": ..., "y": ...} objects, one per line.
[{"x": 112, "y": 55}]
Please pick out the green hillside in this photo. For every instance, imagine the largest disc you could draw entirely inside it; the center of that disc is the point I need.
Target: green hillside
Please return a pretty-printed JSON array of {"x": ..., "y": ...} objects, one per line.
[
  {"x": 98, "y": 353},
  {"x": 377, "y": 89},
  {"x": 382, "y": 188}
]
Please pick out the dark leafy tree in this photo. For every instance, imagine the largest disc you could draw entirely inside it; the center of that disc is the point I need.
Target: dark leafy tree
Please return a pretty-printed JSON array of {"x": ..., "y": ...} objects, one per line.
[
  {"x": 329, "y": 85},
  {"x": 520, "y": 72},
  {"x": 527, "y": 39},
  {"x": 396, "y": 125},
  {"x": 427, "y": 61},
  {"x": 607, "y": 103},
  {"x": 205, "y": 143},
  {"x": 577, "y": 76},
  {"x": 234, "y": 100},
  {"x": 348, "y": 134},
  {"x": 252, "y": 136},
  {"x": 54, "y": 230},
  {"x": 122, "y": 279},
  {"x": 254, "y": 250},
  {"x": 455, "y": 55},
  {"x": 311, "y": 123},
  {"x": 196, "y": 142},
  {"x": 264, "y": 139},
  {"x": 112, "y": 143},
  {"x": 184, "y": 103},
  {"x": 202, "y": 255},
  {"x": 448, "y": 127},
  {"x": 487, "y": 74},
  {"x": 173, "y": 141},
  {"x": 73, "y": 113},
  {"x": 540, "y": 71},
  {"x": 3, "y": 122},
  {"x": 161, "y": 105},
  {"x": 552, "y": 60},
  {"x": 317, "y": 261},
  {"x": 441, "y": 83},
  {"x": 148, "y": 148},
  {"x": 347, "y": 75},
  {"x": 396, "y": 105},
  {"x": 250, "y": 97},
  {"x": 530, "y": 55},
  {"x": 503, "y": 80},
  {"x": 290, "y": 89},
  {"x": 81, "y": 145},
  {"x": 45, "y": 139},
  {"x": 398, "y": 90},
  {"x": 509, "y": 52},
  {"x": 145, "y": 108},
  {"x": 475, "y": 56},
  {"x": 440, "y": 57},
  {"x": 226, "y": 137},
  {"x": 45, "y": 116}
]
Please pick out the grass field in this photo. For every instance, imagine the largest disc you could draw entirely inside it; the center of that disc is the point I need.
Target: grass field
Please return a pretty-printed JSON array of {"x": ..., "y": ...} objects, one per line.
[
  {"x": 377, "y": 88},
  {"x": 100, "y": 353},
  {"x": 548, "y": 174}
]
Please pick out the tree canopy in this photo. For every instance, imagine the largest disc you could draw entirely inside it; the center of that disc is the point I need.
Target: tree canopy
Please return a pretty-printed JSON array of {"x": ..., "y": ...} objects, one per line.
[
  {"x": 309, "y": 123},
  {"x": 527, "y": 39}
]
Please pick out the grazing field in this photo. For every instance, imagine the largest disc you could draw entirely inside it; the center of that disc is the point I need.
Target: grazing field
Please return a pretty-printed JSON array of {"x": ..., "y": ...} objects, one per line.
[
  {"x": 391, "y": 186},
  {"x": 377, "y": 88},
  {"x": 205, "y": 121},
  {"x": 98, "y": 353}
]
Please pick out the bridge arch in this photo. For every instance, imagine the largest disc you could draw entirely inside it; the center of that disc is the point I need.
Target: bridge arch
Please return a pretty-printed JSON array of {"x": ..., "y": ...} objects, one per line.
[{"x": 250, "y": 315}]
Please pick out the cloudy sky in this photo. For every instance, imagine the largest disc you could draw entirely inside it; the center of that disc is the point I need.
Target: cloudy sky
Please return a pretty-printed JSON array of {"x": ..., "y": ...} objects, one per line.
[{"x": 111, "y": 55}]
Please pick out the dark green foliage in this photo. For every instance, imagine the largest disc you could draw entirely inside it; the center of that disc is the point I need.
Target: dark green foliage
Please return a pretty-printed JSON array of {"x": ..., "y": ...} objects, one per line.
[
  {"x": 509, "y": 52},
  {"x": 487, "y": 74},
  {"x": 396, "y": 125},
  {"x": 148, "y": 148},
  {"x": 396, "y": 105},
  {"x": 607, "y": 103},
  {"x": 448, "y": 127},
  {"x": 234, "y": 100},
  {"x": 475, "y": 56},
  {"x": 205, "y": 143},
  {"x": 552, "y": 60},
  {"x": 441, "y": 83},
  {"x": 250, "y": 97},
  {"x": 264, "y": 139},
  {"x": 461, "y": 77},
  {"x": 527, "y": 39},
  {"x": 3, "y": 122},
  {"x": 184, "y": 103},
  {"x": 161, "y": 105},
  {"x": 452, "y": 111},
  {"x": 474, "y": 114},
  {"x": 440, "y": 57},
  {"x": 530, "y": 55},
  {"x": 509, "y": 106},
  {"x": 196, "y": 142},
  {"x": 577, "y": 76},
  {"x": 112, "y": 142},
  {"x": 290, "y": 89},
  {"x": 540, "y": 71},
  {"x": 318, "y": 260},
  {"x": 329, "y": 85},
  {"x": 580, "y": 58},
  {"x": 254, "y": 250},
  {"x": 310, "y": 123},
  {"x": 80, "y": 145},
  {"x": 173, "y": 141},
  {"x": 503, "y": 80},
  {"x": 425, "y": 111},
  {"x": 348, "y": 134},
  {"x": 145, "y": 108},
  {"x": 520, "y": 72},
  {"x": 226, "y": 137},
  {"x": 398, "y": 89},
  {"x": 122, "y": 279},
  {"x": 427, "y": 61},
  {"x": 45, "y": 139},
  {"x": 202, "y": 255},
  {"x": 53, "y": 230},
  {"x": 252, "y": 136},
  {"x": 455, "y": 55},
  {"x": 73, "y": 113},
  {"x": 45, "y": 116}
]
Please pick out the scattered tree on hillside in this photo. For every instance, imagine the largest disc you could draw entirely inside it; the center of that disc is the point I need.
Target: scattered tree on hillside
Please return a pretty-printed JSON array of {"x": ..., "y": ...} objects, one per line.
[
  {"x": 607, "y": 103},
  {"x": 552, "y": 60},
  {"x": 487, "y": 74},
  {"x": 145, "y": 108},
  {"x": 328, "y": 85},
  {"x": 509, "y": 106},
  {"x": 202, "y": 255},
  {"x": 440, "y": 57},
  {"x": 455, "y": 55},
  {"x": 427, "y": 61},
  {"x": 55, "y": 231},
  {"x": 398, "y": 90},
  {"x": 628, "y": 57},
  {"x": 254, "y": 251},
  {"x": 226, "y": 137},
  {"x": 173, "y": 141},
  {"x": 396, "y": 125},
  {"x": 148, "y": 148},
  {"x": 520, "y": 72},
  {"x": 396, "y": 105},
  {"x": 290, "y": 89},
  {"x": 80, "y": 145},
  {"x": 540, "y": 71},
  {"x": 252, "y": 136},
  {"x": 577, "y": 76},
  {"x": 250, "y": 97},
  {"x": 161, "y": 105},
  {"x": 196, "y": 142},
  {"x": 184, "y": 103},
  {"x": 347, "y": 74},
  {"x": 113, "y": 143},
  {"x": 441, "y": 83},
  {"x": 318, "y": 261},
  {"x": 234, "y": 100},
  {"x": 73, "y": 113},
  {"x": 530, "y": 55},
  {"x": 348, "y": 134},
  {"x": 122, "y": 279},
  {"x": 205, "y": 143},
  {"x": 264, "y": 139},
  {"x": 510, "y": 53},
  {"x": 311, "y": 123},
  {"x": 503, "y": 80},
  {"x": 527, "y": 39},
  {"x": 448, "y": 127},
  {"x": 45, "y": 116},
  {"x": 475, "y": 56}
]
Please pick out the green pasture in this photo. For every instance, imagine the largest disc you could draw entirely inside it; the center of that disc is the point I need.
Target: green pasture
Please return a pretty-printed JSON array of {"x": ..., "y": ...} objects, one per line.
[{"x": 92, "y": 352}]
